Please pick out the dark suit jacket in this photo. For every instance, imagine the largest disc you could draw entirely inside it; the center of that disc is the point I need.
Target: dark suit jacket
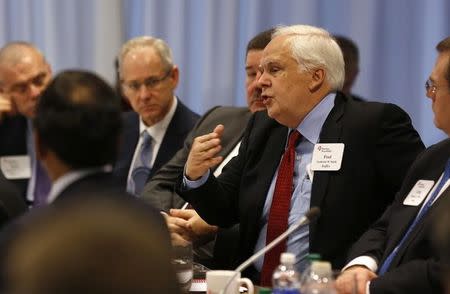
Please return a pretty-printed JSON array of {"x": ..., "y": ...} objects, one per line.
[
  {"x": 182, "y": 122},
  {"x": 98, "y": 186},
  {"x": 13, "y": 141},
  {"x": 415, "y": 269},
  {"x": 105, "y": 185},
  {"x": 380, "y": 144},
  {"x": 11, "y": 202},
  {"x": 160, "y": 190}
]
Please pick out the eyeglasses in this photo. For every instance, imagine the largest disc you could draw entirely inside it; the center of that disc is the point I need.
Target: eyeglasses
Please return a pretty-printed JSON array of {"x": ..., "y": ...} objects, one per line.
[
  {"x": 430, "y": 87},
  {"x": 149, "y": 84}
]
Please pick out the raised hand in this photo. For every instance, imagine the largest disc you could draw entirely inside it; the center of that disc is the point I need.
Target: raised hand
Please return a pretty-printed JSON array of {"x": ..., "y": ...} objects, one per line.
[{"x": 203, "y": 154}]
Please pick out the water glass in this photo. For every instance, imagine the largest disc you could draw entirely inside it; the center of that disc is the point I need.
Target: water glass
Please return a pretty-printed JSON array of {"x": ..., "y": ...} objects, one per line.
[{"x": 182, "y": 262}]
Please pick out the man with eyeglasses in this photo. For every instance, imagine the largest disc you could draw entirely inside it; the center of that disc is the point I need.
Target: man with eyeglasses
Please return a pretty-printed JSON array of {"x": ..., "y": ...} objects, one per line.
[
  {"x": 157, "y": 127},
  {"x": 24, "y": 74},
  {"x": 396, "y": 254}
]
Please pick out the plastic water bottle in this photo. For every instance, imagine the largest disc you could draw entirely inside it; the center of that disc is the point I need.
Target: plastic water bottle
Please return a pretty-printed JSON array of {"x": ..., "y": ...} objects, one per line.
[
  {"x": 319, "y": 279},
  {"x": 285, "y": 279},
  {"x": 304, "y": 277}
]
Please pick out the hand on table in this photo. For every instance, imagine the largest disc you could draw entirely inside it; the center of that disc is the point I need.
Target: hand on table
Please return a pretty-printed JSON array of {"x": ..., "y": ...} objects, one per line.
[{"x": 359, "y": 274}]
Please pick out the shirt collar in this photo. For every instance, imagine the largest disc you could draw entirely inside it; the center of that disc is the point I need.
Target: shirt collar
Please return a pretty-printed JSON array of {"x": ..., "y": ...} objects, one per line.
[
  {"x": 158, "y": 130},
  {"x": 72, "y": 176},
  {"x": 312, "y": 124}
]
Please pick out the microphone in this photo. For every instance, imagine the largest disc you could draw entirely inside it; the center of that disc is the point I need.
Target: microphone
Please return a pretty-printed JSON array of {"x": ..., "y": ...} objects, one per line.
[{"x": 309, "y": 217}]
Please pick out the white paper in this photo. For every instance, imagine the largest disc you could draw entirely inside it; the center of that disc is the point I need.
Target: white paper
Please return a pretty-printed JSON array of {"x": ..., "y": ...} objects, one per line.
[{"x": 16, "y": 167}]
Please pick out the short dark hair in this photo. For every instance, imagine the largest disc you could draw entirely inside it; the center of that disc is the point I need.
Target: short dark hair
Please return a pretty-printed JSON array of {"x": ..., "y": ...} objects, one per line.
[
  {"x": 78, "y": 118},
  {"x": 260, "y": 41},
  {"x": 444, "y": 46},
  {"x": 349, "y": 50}
]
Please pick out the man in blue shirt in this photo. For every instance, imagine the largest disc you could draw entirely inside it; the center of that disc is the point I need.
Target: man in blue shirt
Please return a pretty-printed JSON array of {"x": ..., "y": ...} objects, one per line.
[{"x": 342, "y": 161}]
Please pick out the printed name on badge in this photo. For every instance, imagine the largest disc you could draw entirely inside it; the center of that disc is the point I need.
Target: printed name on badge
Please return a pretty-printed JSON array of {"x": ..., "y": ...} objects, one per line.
[
  {"x": 418, "y": 193},
  {"x": 327, "y": 157}
]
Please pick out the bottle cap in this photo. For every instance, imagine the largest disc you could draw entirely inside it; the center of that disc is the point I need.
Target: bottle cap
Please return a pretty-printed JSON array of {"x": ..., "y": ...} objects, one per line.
[
  {"x": 313, "y": 256},
  {"x": 321, "y": 268},
  {"x": 287, "y": 258},
  {"x": 265, "y": 291}
]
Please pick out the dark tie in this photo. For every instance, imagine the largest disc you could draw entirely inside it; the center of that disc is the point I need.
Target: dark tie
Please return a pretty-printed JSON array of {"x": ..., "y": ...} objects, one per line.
[
  {"x": 386, "y": 264},
  {"x": 141, "y": 170},
  {"x": 42, "y": 185},
  {"x": 39, "y": 177},
  {"x": 279, "y": 209}
]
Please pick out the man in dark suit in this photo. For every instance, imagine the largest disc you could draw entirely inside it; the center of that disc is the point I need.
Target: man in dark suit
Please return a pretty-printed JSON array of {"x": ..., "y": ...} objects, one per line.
[
  {"x": 160, "y": 190},
  {"x": 77, "y": 128},
  {"x": 344, "y": 158},
  {"x": 11, "y": 202},
  {"x": 160, "y": 122},
  {"x": 24, "y": 74},
  {"x": 396, "y": 254}
]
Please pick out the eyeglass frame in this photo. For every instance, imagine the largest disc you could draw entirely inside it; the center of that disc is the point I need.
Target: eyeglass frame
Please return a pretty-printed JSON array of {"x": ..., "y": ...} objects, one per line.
[
  {"x": 149, "y": 83},
  {"x": 430, "y": 87}
]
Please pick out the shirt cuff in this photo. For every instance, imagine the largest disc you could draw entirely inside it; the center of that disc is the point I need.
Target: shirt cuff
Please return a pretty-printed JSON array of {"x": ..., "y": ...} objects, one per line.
[
  {"x": 188, "y": 184},
  {"x": 363, "y": 260}
]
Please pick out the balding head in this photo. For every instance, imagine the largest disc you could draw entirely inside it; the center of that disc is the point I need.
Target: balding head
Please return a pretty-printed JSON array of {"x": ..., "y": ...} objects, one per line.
[{"x": 24, "y": 74}]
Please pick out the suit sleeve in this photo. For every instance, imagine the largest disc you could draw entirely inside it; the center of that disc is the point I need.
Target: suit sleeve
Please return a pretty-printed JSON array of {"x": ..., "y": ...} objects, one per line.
[
  {"x": 416, "y": 276},
  {"x": 397, "y": 146}
]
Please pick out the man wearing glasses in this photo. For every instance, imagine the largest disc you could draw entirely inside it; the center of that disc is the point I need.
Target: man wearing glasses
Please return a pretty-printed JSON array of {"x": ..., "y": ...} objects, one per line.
[
  {"x": 157, "y": 127},
  {"x": 396, "y": 254},
  {"x": 24, "y": 74}
]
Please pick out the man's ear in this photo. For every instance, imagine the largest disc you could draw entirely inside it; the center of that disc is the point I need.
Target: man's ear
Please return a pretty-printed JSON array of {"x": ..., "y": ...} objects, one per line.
[
  {"x": 318, "y": 78},
  {"x": 175, "y": 76}
]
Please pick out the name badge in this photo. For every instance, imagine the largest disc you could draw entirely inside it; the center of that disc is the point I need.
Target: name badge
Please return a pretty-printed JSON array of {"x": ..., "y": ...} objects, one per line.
[
  {"x": 327, "y": 157},
  {"x": 418, "y": 193},
  {"x": 16, "y": 167}
]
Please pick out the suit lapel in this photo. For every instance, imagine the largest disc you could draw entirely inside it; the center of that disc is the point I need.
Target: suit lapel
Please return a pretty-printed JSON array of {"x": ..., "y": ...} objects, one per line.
[
  {"x": 331, "y": 133},
  {"x": 268, "y": 158},
  {"x": 171, "y": 141}
]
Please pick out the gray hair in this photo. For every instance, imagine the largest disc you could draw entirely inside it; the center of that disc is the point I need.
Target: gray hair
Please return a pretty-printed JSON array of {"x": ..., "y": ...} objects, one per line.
[
  {"x": 314, "y": 47},
  {"x": 161, "y": 47}
]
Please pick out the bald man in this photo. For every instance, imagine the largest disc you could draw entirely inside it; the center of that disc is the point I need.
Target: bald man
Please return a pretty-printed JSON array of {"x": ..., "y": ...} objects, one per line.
[{"x": 24, "y": 74}]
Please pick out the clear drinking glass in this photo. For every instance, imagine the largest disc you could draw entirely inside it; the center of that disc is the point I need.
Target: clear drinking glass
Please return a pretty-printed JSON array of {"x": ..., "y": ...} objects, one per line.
[{"x": 182, "y": 262}]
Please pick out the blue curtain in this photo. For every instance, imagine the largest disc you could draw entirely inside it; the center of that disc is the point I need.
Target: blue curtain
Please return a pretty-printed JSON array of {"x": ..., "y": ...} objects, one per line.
[{"x": 208, "y": 37}]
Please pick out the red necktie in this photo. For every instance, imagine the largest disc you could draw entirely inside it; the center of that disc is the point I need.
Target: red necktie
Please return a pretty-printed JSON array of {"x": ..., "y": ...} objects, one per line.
[{"x": 279, "y": 210}]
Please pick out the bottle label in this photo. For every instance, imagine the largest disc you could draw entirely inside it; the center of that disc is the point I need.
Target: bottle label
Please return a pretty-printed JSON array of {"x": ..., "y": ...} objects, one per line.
[{"x": 285, "y": 291}]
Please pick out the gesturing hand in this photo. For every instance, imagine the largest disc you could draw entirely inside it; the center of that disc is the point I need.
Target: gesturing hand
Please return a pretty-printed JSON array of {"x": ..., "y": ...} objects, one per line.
[{"x": 203, "y": 154}]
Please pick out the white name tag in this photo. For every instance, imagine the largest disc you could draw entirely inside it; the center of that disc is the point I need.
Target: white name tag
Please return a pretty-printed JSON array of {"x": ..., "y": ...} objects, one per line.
[
  {"x": 327, "y": 157},
  {"x": 418, "y": 193},
  {"x": 16, "y": 167}
]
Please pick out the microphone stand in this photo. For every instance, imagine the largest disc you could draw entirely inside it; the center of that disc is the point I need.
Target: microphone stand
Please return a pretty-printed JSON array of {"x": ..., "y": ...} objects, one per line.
[{"x": 311, "y": 215}]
